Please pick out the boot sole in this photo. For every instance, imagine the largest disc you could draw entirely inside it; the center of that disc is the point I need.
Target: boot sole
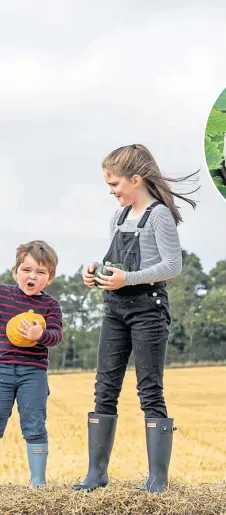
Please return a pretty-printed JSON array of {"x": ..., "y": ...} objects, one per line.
[
  {"x": 158, "y": 492},
  {"x": 79, "y": 488}
]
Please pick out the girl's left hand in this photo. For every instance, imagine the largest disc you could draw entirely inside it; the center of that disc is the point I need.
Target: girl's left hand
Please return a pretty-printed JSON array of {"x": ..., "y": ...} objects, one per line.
[
  {"x": 111, "y": 282},
  {"x": 30, "y": 331}
]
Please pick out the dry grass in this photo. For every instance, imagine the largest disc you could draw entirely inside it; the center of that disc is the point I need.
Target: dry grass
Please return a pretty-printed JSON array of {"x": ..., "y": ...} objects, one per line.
[
  {"x": 116, "y": 499},
  {"x": 195, "y": 397}
]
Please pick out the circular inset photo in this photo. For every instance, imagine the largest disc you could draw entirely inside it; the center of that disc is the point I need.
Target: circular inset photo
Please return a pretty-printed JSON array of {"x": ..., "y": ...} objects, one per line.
[{"x": 215, "y": 143}]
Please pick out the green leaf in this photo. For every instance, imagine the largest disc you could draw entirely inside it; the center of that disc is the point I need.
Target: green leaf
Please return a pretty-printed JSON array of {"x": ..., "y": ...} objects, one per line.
[
  {"x": 218, "y": 181},
  {"x": 222, "y": 190},
  {"x": 221, "y": 101},
  {"x": 216, "y": 123},
  {"x": 219, "y": 139},
  {"x": 213, "y": 155},
  {"x": 214, "y": 173}
]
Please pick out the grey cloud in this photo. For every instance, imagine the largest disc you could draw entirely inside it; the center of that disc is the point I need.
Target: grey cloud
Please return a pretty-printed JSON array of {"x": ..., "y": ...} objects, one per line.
[{"x": 80, "y": 80}]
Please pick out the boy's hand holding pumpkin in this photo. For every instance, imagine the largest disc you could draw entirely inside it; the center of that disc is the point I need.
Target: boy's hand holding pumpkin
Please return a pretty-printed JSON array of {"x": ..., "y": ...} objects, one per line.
[{"x": 31, "y": 331}]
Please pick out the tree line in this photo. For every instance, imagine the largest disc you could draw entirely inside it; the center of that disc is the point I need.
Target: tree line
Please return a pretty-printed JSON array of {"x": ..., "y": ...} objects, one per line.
[{"x": 198, "y": 307}]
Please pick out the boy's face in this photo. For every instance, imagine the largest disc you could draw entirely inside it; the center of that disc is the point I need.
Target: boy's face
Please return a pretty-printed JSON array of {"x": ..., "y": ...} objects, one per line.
[{"x": 31, "y": 276}]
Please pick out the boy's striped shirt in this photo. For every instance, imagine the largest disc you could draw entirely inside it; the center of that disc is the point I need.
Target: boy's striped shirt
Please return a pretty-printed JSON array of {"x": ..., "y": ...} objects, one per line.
[{"x": 13, "y": 301}]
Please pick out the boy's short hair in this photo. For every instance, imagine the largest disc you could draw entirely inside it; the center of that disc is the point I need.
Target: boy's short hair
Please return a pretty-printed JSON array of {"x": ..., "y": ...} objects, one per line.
[{"x": 41, "y": 253}]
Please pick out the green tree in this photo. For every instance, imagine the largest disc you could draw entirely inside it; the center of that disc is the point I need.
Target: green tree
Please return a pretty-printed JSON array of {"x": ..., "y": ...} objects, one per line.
[
  {"x": 208, "y": 328},
  {"x": 82, "y": 309},
  {"x": 197, "y": 331},
  {"x": 7, "y": 277},
  {"x": 183, "y": 298},
  {"x": 218, "y": 274}
]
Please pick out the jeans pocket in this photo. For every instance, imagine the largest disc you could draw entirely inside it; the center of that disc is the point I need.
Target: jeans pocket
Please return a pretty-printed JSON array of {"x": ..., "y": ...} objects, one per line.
[
  {"x": 6, "y": 369},
  {"x": 155, "y": 300},
  {"x": 160, "y": 304}
]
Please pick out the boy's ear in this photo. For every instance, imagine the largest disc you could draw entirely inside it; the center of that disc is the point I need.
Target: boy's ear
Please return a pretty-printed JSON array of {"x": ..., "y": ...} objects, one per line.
[
  {"x": 50, "y": 281},
  {"x": 14, "y": 274}
]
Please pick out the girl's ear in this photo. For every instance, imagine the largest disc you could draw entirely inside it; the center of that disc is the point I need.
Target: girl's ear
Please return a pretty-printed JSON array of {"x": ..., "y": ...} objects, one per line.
[{"x": 136, "y": 180}]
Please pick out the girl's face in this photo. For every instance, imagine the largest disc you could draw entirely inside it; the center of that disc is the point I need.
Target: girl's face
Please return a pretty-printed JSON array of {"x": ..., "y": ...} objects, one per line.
[
  {"x": 32, "y": 277},
  {"x": 125, "y": 190}
]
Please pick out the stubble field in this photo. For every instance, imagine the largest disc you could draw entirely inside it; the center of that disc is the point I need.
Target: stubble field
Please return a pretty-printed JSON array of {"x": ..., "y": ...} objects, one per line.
[{"x": 195, "y": 398}]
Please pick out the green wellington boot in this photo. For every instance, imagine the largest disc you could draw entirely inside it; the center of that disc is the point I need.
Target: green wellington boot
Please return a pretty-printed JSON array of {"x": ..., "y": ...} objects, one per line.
[
  {"x": 101, "y": 435},
  {"x": 159, "y": 439}
]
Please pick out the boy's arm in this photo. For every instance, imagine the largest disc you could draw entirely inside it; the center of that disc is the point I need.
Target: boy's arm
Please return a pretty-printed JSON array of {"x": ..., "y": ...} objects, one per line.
[{"x": 53, "y": 333}]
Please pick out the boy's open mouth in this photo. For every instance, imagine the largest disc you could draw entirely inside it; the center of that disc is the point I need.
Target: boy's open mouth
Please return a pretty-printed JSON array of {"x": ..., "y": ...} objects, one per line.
[{"x": 30, "y": 284}]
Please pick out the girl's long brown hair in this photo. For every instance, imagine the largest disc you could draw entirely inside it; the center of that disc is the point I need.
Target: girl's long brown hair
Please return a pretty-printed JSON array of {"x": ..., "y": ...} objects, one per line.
[{"x": 137, "y": 160}]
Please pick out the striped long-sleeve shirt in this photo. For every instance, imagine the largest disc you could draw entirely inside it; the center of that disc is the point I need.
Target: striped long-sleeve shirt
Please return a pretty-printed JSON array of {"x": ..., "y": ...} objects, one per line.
[
  {"x": 161, "y": 256},
  {"x": 13, "y": 301}
]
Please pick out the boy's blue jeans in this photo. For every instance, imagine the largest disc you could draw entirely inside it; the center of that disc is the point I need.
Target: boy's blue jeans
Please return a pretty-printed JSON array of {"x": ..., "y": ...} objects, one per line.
[{"x": 29, "y": 386}]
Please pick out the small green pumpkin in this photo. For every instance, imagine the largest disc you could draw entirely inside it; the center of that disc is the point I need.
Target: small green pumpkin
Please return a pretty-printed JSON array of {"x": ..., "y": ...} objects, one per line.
[{"x": 101, "y": 269}]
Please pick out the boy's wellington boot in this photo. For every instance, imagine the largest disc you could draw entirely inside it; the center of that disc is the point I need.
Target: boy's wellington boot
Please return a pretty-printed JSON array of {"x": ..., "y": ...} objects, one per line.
[
  {"x": 37, "y": 459},
  {"x": 101, "y": 435}
]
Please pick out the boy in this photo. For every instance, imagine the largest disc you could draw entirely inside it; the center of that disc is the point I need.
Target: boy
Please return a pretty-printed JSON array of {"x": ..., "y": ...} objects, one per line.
[{"x": 23, "y": 370}]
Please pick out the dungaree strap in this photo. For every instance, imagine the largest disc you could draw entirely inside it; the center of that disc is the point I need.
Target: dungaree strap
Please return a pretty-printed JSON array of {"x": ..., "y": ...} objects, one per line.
[
  {"x": 147, "y": 213},
  {"x": 144, "y": 218},
  {"x": 123, "y": 215}
]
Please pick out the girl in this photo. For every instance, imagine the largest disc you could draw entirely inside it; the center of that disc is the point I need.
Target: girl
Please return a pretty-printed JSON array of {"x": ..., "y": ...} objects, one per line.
[{"x": 136, "y": 311}]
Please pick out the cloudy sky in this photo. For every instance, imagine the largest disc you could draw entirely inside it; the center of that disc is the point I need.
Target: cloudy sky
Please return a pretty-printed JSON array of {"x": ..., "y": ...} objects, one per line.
[{"x": 81, "y": 78}]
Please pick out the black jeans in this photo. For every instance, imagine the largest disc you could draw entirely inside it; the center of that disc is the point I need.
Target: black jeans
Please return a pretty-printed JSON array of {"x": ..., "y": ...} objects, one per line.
[{"x": 139, "y": 323}]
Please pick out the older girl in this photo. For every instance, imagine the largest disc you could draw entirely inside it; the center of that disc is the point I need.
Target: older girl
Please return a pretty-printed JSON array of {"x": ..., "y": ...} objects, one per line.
[{"x": 136, "y": 317}]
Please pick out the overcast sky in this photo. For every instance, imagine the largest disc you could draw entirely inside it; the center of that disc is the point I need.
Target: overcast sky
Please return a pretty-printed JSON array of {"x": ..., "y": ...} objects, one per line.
[{"x": 79, "y": 79}]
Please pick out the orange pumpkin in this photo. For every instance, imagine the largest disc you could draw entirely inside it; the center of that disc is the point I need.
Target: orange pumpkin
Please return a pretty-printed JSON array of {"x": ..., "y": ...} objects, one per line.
[{"x": 13, "y": 333}]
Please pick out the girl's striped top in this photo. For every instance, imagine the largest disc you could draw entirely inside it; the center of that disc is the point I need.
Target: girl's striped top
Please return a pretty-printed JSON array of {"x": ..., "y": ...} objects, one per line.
[
  {"x": 13, "y": 301},
  {"x": 161, "y": 256}
]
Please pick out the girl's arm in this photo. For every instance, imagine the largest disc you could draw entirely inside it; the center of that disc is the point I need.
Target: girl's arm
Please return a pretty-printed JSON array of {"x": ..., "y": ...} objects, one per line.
[{"x": 167, "y": 240}]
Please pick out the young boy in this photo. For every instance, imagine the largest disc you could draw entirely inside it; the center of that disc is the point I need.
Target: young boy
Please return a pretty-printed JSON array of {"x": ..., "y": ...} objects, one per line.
[{"x": 23, "y": 370}]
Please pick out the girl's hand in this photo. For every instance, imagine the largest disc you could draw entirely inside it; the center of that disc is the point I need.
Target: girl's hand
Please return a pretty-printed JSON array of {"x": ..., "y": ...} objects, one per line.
[
  {"x": 30, "y": 331},
  {"x": 112, "y": 282},
  {"x": 88, "y": 275}
]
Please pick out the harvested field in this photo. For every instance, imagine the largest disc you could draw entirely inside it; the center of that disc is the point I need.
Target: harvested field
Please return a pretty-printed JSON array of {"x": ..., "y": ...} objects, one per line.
[{"x": 195, "y": 397}]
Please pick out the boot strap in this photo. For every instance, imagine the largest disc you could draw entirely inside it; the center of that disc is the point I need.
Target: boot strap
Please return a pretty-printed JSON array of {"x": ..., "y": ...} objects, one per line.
[{"x": 164, "y": 429}]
